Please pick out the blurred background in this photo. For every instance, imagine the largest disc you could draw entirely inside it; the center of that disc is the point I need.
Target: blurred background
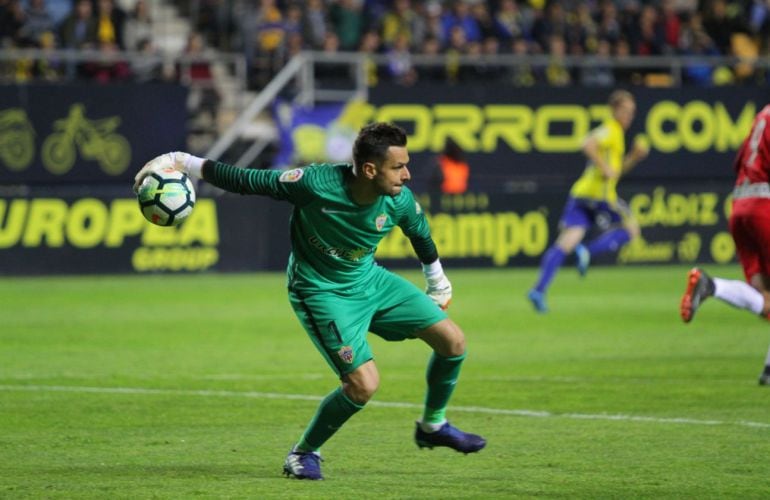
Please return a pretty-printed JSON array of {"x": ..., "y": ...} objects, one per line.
[{"x": 501, "y": 91}]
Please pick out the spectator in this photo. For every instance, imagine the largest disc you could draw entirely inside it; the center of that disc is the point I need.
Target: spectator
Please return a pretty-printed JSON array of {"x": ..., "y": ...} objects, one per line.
[
  {"x": 370, "y": 45},
  {"x": 264, "y": 37},
  {"x": 314, "y": 24},
  {"x": 148, "y": 68},
  {"x": 483, "y": 66},
  {"x": 110, "y": 24},
  {"x": 78, "y": 31},
  {"x": 720, "y": 25},
  {"x": 460, "y": 16},
  {"x": 108, "y": 68},
  {"x": 553, "y": 23},
  {"x": 293, "y": 20},
  {"x": 214, "y": 21},
  {"x": 431, "y": 46},
  {"x": 700, "y": 73},
  {"x": 434, "y": 27},
  {"x": 456, "y": 49},
  {"x": 347, "y": 21},
  {"x": 557, "y": 73},
  {"x": 487, "y": 24},
  {"x": 37, "y": 21},
  {"x": 331, "y": 74},
  {"x": 522, "y": 73},
  {"x": 46, "y": 68},
  {"x": 582, "y": 30},
  {"x": 399, "y": 22},
  {"x": 671, "y": 23},
  {"x": 609, "y": 22},
  {"x": 510, "y": 20},
  {"x": 195, "y": 71},
  {"x": 138, "y": 26},
  {"x": 400, "y": 67},
  {"x": 647, "y": 36},
  {"x": 597, "y": 70},
  {"x": 11, "y": 20},
  {"x": 624, "y": 72}
]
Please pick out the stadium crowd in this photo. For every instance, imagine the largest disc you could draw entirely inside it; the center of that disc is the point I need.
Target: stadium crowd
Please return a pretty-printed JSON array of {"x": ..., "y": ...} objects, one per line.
[{"x": 269, "y": 32}]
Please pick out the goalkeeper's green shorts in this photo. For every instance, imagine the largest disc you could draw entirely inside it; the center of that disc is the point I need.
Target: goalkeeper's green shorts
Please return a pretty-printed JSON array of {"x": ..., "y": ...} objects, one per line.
[{"x": 338, "y": 322}]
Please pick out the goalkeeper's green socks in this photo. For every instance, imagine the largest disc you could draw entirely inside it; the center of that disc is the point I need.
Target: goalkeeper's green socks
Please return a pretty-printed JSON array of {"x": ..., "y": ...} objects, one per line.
[
  {"x": 335, "y": 410},
  {"x": 441, "y": 376}
]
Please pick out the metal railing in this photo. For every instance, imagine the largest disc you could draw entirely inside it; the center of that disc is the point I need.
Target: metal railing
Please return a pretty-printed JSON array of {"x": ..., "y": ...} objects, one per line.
[{"x": 66, "y": 59}]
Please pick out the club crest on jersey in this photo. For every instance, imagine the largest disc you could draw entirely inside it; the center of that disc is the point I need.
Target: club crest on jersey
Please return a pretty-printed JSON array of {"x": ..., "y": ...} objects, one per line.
[
  {"x": 292, "y": 175},
  {"x": 346, "y": 354},
  {"x": 380, "y": 221}
]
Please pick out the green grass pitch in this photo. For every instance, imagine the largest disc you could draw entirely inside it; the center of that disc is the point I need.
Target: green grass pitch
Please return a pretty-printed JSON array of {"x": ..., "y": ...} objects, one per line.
[{"x": 196, "y": 386}]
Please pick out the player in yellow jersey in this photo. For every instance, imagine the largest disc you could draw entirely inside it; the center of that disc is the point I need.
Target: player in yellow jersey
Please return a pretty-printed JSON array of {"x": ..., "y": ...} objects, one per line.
[{"x": 593, "y": 200}]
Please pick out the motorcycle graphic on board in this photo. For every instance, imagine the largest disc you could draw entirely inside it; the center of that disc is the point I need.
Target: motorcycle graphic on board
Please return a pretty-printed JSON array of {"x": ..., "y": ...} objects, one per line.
[
  {"x": 95, "y": 139},
  {"x": 17, "y": 139}
]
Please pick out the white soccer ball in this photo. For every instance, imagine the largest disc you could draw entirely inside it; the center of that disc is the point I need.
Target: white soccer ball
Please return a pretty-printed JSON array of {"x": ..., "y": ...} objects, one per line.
[{"x": 166, "y": 197}]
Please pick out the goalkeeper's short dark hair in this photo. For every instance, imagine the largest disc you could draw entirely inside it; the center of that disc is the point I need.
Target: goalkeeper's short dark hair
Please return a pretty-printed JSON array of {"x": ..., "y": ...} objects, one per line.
[{"x": 374, "y": 140}]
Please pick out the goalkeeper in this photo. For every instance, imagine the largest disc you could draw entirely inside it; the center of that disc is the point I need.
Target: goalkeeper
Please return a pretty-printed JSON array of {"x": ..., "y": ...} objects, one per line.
[{"x": 339, "y": 293}]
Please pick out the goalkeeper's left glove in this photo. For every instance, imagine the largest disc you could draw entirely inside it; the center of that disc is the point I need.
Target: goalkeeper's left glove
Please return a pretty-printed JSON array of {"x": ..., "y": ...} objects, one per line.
[
  {"x": 439, "y": 288},
  {"x": 184, "y": 162}
]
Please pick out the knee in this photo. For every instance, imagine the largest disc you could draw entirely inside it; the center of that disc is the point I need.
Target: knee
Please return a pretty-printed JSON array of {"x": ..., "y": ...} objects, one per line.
[
  {"x": 361, "y": 390},
  {"x": 633, "y": 231},
  {"x": 455, "y": 346}
]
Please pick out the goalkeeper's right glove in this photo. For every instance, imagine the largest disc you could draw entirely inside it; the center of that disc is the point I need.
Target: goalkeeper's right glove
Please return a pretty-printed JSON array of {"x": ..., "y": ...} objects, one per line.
[
  {"x": 184, "y": 162},
  {"x": 439, "y": 288}
]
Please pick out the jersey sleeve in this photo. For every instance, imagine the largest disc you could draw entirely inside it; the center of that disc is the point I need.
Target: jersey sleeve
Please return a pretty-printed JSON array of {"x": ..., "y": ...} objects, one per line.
[
  {"x": 414, "y": 224},
  {"x": 293, "y": 185},
  {"x": 603, "y": 135}
]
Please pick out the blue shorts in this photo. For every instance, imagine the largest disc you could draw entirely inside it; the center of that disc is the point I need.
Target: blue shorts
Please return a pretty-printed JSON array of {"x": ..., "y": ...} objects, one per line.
[{"x": 587, "y": 213}]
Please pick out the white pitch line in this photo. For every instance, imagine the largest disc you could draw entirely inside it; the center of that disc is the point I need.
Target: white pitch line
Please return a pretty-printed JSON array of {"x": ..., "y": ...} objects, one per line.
[{"x": 382, "y": 404}]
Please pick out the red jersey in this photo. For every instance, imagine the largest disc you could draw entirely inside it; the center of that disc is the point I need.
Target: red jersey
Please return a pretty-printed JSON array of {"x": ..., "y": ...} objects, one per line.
[{"x": 752, "y": 164}]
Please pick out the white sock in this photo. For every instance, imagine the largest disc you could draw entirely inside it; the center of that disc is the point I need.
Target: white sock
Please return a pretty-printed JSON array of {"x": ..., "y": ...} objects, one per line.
[
  {"x": 426, "y": 427},
  {"x": 739, "y": 294}
]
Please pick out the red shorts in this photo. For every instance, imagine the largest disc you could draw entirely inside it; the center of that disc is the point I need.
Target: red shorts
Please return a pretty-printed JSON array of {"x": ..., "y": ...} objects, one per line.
[{"x": 750, "y": 227}]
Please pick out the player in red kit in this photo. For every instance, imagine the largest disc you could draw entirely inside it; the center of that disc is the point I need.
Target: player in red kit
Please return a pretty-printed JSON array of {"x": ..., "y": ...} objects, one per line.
[{"x": 750, "y": 227}]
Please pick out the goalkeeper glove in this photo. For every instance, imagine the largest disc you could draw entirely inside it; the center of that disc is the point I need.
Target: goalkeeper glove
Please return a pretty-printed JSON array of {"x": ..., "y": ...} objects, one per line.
[
  {"x": 439, "y": 288},
  {"x": 184, "y": 162}
]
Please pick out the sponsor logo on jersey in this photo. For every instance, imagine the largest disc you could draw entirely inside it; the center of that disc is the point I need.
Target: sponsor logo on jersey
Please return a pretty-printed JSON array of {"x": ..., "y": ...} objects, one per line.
[
  {"x": 346, "y": 354},
  {"x": 380, "y": 221},
  {"x": 352, "y": 254},
  {"x": 292, "y": 175}
]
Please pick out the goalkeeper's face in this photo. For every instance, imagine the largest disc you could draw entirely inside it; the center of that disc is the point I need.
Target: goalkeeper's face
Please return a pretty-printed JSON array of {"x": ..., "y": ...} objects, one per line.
[{"x": 393, "y": 173}]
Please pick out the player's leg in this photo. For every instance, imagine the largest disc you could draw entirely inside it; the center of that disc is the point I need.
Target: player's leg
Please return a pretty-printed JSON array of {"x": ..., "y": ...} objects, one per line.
[
  {"x": 337, "y": 326},
  {"x": 552, "y": 259},
  {"x": 575, "y": 220},
  {"x": 751, "y": 237},
  {"x": 406, "y": 312},
  {"x": 448, "y": 343},
  {"x": 621, "y": 228}
]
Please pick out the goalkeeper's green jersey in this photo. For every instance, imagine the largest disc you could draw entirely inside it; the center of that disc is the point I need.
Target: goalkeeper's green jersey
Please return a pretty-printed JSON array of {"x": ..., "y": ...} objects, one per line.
[{"x": 333, "y": 238}]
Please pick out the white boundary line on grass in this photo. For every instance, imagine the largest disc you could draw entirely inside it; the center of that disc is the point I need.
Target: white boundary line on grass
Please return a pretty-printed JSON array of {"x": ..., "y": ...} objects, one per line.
[{"x": 383, "y": 404}]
